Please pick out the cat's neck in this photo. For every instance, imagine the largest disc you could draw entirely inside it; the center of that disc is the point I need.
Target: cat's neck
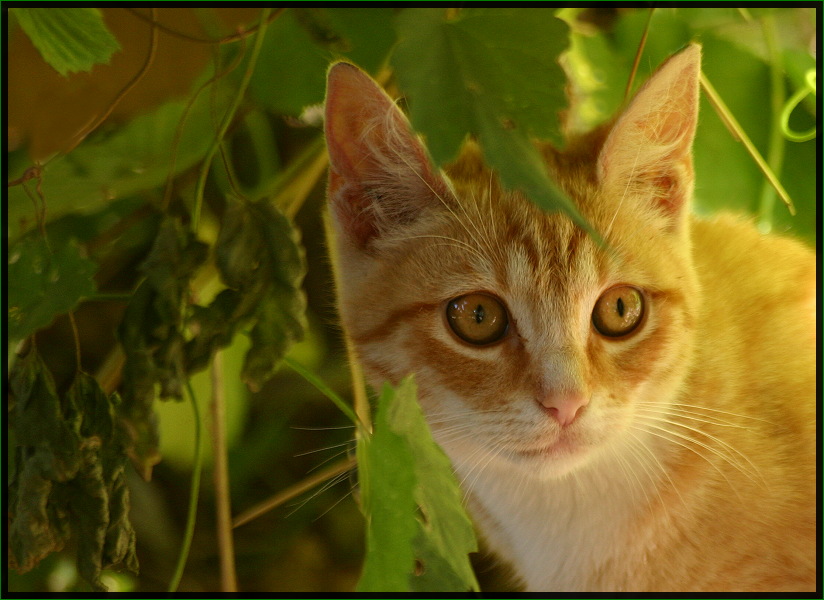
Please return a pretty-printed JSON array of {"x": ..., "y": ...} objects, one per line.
[{"x": 566, "y": 530}]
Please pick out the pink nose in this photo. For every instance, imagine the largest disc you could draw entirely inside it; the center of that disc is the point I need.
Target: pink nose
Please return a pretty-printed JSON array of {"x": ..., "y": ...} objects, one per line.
[{"x": 563, "y": 405}]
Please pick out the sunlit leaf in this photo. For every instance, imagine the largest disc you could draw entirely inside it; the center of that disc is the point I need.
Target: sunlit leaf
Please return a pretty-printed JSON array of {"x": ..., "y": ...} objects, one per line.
[
  {"x": 387, "y": 481},
  {"x": 44, "y": 282},
  {"x": 418, "y": 533},
  {"x": 69, "y": 39}
]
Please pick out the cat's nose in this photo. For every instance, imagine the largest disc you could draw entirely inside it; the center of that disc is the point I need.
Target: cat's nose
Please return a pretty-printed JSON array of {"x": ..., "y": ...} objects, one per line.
[{"x": 563, "y": 405}]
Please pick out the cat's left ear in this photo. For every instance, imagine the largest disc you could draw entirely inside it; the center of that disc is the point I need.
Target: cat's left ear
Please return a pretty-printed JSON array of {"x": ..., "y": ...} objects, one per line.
[{"x": 648, "y": 153}]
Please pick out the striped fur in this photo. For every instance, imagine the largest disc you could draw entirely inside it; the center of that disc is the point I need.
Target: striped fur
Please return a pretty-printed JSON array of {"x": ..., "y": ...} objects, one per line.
[{"x": 691, "y": 467}]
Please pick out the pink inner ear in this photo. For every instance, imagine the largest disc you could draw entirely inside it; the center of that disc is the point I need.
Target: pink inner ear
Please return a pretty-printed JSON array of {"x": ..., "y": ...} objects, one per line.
[
  {"x": 650, "y": 145},
  {"x": 379, "y": 175},
  {"x": 353, "y": 103}
]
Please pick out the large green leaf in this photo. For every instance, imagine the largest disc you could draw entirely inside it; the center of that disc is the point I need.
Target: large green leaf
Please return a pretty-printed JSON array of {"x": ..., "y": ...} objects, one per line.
[
  {"x": 120, "y": 162},
  {"x": 300, "y": 44},
  {"x": 493, "y": 74},
  {"x": 418, "y": 533},
  {"x": 44, "y": 282},
  {"x": 69, "y": 39}
]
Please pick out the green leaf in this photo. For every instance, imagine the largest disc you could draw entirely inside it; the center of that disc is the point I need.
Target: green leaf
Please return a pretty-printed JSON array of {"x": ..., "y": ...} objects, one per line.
[
  {"x": 120, "y": 162},
  {"x": 446, "y": 535},
  {"x": 493, "y": 74},
  {"x": 300, "y": 44},
  {"x": 483, "y": 66},
  {"x": 418, "y": 533},
  {"x": 44, "y": 283},
  {"x": 387, "y": 482},
  {"x": 69, "y": 39}
]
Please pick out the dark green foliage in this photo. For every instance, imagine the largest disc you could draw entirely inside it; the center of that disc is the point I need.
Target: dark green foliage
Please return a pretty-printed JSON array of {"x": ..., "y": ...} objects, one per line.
[
  {"x": 44, "y": 282},
  {"x": 492, "y": 74},
  {"x": 151, "y": 334},
  {"x": 259, "y": 256},
  {"x": 68, "y": 476}
]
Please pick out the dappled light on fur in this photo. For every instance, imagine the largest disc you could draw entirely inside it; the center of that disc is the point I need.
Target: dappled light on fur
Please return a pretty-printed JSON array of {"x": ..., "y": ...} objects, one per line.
[{"x": 691, "y": 434}]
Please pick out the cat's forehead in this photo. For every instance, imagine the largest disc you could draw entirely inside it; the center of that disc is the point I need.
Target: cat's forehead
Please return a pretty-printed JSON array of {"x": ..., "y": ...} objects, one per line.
[{"x": 521, "y": 250}]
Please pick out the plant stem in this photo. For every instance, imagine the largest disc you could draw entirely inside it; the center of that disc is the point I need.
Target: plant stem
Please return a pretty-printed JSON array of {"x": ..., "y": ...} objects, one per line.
[
  {"x": 325, "y": 390},
  {"x": 223, "y": 506},
  {"x": 229, "y": 117},
  {"x": 775, "y": 151},
  {"x": 740, "y": 135},
  {"x": 194, "y": 492},
  {"x": 295, "y": 490},
  {"x": 638, "y": 54}
]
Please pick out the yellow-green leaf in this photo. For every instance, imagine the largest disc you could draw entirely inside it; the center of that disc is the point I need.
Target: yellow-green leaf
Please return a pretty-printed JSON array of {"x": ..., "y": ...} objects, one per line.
[{"x": 69, "y": 39}]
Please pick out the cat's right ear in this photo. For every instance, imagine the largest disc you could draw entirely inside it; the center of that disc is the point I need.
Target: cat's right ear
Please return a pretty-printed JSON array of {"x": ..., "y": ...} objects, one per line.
[{"x": 380, "y": 176}]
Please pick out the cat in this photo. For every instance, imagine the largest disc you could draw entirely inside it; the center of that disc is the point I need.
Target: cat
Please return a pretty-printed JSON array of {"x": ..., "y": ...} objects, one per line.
[{"x": 636, "y": 416}]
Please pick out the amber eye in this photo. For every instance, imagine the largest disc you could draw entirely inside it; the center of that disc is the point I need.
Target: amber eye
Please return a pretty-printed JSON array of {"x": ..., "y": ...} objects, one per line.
[
  {"x": 618, "y": 311},
  {"x": 477, "y": 319}
]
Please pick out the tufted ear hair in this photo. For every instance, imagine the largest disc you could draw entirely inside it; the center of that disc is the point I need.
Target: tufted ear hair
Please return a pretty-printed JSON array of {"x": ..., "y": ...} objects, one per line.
[
  {"x": 380, "y": 175},
  {"x": 648, "y": 152}
]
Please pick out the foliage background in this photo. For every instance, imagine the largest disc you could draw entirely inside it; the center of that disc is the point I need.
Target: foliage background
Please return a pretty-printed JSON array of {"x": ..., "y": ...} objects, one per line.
[{"x": 107, "y": 193}]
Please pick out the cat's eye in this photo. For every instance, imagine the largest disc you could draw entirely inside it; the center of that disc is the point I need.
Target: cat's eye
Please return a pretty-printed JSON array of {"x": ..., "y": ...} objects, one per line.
[
  {"x": 619, "y": 311},
  {"x": 478, "y": 319}
]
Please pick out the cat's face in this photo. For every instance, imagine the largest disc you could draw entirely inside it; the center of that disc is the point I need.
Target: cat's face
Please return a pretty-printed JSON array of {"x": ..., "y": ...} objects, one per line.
[{"x": 533, "y": 346}]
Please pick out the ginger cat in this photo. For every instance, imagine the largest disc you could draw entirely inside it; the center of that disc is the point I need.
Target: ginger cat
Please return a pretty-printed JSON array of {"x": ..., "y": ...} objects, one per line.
[{"x": 637, "y": 417}]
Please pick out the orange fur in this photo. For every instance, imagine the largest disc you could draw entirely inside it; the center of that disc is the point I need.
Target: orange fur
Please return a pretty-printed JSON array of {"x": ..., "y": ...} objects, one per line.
[{"x": 691, "y": 465}]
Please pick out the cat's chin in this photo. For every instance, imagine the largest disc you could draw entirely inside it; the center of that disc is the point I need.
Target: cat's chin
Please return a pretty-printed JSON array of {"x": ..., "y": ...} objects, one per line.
[{"x": 550, "y": 461}]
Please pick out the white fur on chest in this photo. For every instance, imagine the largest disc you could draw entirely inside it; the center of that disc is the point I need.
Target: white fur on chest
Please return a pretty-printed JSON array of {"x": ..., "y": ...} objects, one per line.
[{"x": 565, "y": 535}]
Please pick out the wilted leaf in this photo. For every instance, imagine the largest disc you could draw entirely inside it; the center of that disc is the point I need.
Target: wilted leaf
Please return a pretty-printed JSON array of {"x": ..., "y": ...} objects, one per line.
[
  {"x": 215, "y": 325},
  {"x": 493, "y": 74},
  {"x": 44, "y": 283},
  {"x": 418, "y": 533},
  {"x": 69, "y": 475},
  {"x": 150, "y": 334},
  {"x": 259, "y": 255},
  {"x": 69, "y": 39}
]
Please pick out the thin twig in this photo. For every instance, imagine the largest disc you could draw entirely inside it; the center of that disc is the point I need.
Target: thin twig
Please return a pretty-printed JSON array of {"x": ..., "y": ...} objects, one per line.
[
  {"x": 638, "y": 54},
  {"x": 295, "y": 490},
  {"x": 194, "y": 492},
  {"x": 223, "y": 507},
  {"x": 167, "y": 193},
  {"x": 191, "y": 38},
  {"x": 227, "y": 120},
  {"x": 739, "y": 133},
  {"x": 96, "y": 122},
  {"x": 76, "y": 335}
]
